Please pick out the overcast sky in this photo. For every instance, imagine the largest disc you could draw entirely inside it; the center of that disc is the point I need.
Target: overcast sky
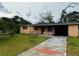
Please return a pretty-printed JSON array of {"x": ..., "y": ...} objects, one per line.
[{"x": 36, "y": 8}]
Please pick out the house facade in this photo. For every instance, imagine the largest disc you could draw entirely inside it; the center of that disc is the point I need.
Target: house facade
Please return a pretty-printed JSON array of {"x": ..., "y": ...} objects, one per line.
[{"x": 56, "y": 29}]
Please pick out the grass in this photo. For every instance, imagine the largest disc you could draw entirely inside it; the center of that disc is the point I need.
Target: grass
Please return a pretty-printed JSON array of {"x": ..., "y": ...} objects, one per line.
[
  {"x": 12, "y": 46},
  {"x": 73, "y": 46}
]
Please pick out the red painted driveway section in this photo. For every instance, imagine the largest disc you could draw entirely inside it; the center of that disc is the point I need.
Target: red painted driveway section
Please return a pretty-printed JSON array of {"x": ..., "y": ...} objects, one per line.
[{"x": 46, "y": 51}]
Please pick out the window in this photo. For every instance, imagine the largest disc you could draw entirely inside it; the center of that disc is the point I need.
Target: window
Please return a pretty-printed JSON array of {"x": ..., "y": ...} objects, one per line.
[
  {"x": 35, "y": 28},
  {"x": 24, "y": 27},
  {"x": 49, "y": 29}
]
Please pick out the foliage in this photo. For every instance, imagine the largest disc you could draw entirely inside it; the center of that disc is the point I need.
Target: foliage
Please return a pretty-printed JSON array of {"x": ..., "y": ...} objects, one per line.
[
  {"x": 11, "y": 25},
  {"x": 63, "y": 19},
  {"x": 72, "y": 17},
  {"x": 46, "y": 17}
]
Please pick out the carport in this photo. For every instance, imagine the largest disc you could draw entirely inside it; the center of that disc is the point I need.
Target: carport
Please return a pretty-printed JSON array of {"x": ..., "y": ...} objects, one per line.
[{"x": 61, "y": 30}]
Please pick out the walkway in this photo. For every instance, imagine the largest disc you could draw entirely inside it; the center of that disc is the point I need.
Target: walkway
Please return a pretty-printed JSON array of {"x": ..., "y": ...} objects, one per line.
[{"x": 54, "y": 46}]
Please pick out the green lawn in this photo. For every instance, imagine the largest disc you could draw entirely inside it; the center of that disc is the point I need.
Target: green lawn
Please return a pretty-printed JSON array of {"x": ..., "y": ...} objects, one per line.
[
  {"x": 73, "y": 46},
  {"x": 11, "y": 46}
]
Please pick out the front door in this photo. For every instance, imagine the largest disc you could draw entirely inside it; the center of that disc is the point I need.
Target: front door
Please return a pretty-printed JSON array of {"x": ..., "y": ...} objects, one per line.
[{"x": 42, "y": 30}]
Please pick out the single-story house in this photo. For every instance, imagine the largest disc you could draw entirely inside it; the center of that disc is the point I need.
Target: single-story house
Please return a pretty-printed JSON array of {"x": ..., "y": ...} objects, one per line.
[{"x": 56, "y": 29}]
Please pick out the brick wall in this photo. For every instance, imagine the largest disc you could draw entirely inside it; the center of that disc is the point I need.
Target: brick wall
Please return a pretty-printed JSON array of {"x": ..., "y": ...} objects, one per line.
[
  {"x": 32, "y": 31},
  {"x": 73, "y": 30},
  {"x": 24, "y": 30}
]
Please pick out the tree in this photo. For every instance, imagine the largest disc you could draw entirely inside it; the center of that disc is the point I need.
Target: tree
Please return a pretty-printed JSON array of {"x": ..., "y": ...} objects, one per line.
[
  {"x": 18, "y": 20},
  {"x": 46, "y": 17},
  {"x": 23, "y": 21},
  {"x": 72, "y": 17},
  {"x": 11, "y": 25},
  {"x": 64, "y": 13},
  {"x": 4, "y": 22}
]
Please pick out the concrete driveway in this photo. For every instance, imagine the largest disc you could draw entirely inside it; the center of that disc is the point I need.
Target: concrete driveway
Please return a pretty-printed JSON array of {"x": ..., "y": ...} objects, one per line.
[{"x": 54, "y": 46}]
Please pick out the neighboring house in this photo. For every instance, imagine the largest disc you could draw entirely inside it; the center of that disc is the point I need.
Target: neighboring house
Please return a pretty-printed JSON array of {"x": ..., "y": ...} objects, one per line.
[{"x": 56, "y": 29}]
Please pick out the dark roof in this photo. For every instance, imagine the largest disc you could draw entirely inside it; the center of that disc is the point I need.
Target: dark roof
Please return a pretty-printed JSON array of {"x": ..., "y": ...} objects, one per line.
[{"x": 52, "y": 24}]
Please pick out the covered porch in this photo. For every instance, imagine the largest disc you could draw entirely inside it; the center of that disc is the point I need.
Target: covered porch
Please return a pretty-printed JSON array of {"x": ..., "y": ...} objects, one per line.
[{"x": 45, "y": 30}]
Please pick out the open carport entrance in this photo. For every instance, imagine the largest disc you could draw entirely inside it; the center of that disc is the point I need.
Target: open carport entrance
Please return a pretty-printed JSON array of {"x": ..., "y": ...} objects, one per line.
[{"x": 61, "y": 30}]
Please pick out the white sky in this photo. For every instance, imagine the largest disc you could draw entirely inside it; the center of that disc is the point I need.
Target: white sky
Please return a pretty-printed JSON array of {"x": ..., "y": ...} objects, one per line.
[{"x": 35, "y": 8}]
